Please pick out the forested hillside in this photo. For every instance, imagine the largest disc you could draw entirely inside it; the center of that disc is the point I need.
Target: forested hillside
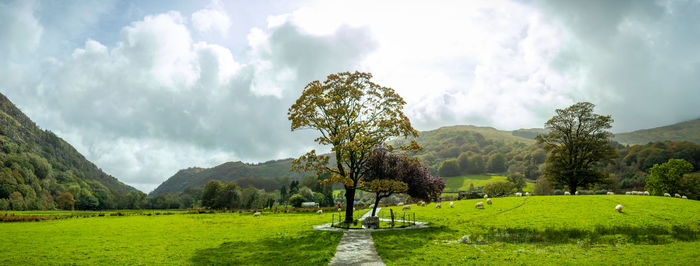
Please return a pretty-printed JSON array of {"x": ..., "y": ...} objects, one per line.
[
  {"x": 39, "y": 170},
  {"x": 684, "y": 131},
  {"x": 269, "y": 176}
]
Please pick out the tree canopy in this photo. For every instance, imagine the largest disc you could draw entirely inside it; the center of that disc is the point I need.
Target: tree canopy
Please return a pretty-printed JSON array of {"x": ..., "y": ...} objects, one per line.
[
  {"x": 579, "y": 144},
  {"x": 353, "y": 115},
  {"x": 667, "y": 177}
]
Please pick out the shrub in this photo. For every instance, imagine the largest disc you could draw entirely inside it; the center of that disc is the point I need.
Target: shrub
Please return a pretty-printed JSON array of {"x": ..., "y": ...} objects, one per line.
[
  {"x": 543, "y": 187},
  {"x": 498, "y": 188},
  {"x": 296, "y": 200}
]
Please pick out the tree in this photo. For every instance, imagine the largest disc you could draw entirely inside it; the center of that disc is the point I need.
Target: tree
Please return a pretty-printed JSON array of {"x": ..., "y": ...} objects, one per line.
[
  {"x": 543, "y": 187},
  {"x": 296, "y": 200},
  {"x": 210, "y": 193},
  {"x": 476, "y": 164},
  {"x": 134, "y": 199},
  {"x": 463, "y": 161},
  {"x": 353, "y": 115},
  {"x": 449, "y": 168},
  {"x": 497, "y": 163},
  {"x": 228, "y": 196},
  {"x": 66, "y": 201},
  {"x": 579, "y": 144},
  {"x": 518, "y": 180},
  {"x": 667, "y": 177}
]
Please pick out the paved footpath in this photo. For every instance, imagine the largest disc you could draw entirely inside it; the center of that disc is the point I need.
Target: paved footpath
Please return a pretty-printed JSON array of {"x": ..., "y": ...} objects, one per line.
[{"x": 357, "y": 248}]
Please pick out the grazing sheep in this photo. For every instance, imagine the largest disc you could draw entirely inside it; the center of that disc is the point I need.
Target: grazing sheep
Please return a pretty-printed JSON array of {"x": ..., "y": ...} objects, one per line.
[
  {"x": 320, "y": 212},
  {"x": 400, "y": 204},
  {"x": 438, "y": 205},
  {"x": 646, "y": 193},
  {"x": 339, "y": 210},
  {"x": 567, "y": 193},
  {"x": 421, "y": 203},
  {"x": 576, "y": 193},
  {"x": 678, "y": 195},
  {"x": 479, "y": 204},
  {"x": 667, "y": 195},
  {"x": 452, "y": 204},
  {"x": 488, "y": 201},
  {"x": 407, "y": 207},
  {"x": 611, "y": 193},
  {"x": 256, "y": 214},
  {"x": 353, "y": 208},
  {"x": 486, "y": 195},
  {"x": 518, "y": 194},
  {"x": 618, "y": 208},
  {"x": 628, "y": 193},
  {"x": 527, "y": 193},
  {"x": 684, "y": 197}
]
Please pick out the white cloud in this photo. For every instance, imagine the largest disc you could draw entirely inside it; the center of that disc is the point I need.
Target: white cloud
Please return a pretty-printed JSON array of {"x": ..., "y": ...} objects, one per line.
[
  {"x": 212, "y": 19},
  {"x": 20, "y": 30}
]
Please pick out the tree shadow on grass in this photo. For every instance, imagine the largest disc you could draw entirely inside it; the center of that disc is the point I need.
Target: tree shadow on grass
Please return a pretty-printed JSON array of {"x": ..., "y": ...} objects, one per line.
[
  {"x": 398, "y": 243},
  {"x": 306, "y": 248}
]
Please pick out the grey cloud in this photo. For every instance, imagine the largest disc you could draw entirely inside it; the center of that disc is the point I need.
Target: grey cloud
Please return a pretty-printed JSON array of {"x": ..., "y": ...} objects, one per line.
[{"x": 634, "y": 59}]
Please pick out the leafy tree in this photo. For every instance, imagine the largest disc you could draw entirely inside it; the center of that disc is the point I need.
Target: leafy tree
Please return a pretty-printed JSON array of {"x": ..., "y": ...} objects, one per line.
[
  {"x": 17, "y": 202},
  {"x": 293, "y": 187},
  {"x": 87, "y": 201},
  {"x": 296, "y": 200},
  {"x": 579, "y": 144},
  {"x": 353, "y": 115},
  {"x": 283, "y": 193},
  {"x": 476, "y": 164},
  {"x": 449, "y": 168},
  {"x": 134, "y": 200},
  {"x": 497, "y": 163},
  {"x": 210, "y": 193},
  {"x": 471, "y": 188},
  {"x": 690, "y": 186},
  {"x": 463, "y": 161},
  {"x": 498, "y": 188},
  {"x": 249, "y": 197},
  {"x": 518, "y": 180},
  {"x": 65, "y": 201},
  {"x": 543, "y": 187},
  {"x": 667, "y": 177},
  {"x": 229, "y": 196}
]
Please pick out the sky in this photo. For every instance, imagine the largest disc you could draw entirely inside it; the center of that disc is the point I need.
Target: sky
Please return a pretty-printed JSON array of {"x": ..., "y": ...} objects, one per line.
[{"x": 146, "y": 88}]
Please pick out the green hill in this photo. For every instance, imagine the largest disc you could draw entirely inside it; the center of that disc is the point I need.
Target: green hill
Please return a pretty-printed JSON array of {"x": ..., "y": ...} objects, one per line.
[
  {"x": 269, "y": 176},
  {"x": 684, "y": 131},
  {"x": 36, "y": 166}
]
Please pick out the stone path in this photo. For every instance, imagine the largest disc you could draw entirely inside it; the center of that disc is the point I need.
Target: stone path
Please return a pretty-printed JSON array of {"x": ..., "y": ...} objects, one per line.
[{"x": 357, "y": 248}]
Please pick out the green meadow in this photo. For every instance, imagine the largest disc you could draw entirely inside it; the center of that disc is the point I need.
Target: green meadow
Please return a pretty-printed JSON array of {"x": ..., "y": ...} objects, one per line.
[{"x": 550, "y": 230}]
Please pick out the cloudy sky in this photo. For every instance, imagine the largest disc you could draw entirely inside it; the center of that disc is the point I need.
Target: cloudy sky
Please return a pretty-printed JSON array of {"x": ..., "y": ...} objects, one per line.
[{"x": 145, "y": 88}]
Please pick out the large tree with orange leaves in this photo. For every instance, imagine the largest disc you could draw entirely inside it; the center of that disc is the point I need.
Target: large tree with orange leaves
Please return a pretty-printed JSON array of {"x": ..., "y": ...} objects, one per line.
[{"x": 354, "y": 115}]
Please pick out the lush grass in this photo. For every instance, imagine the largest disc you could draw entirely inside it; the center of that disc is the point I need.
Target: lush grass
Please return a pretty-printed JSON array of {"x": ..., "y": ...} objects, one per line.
[
  {"x": 230, "y": 238},
  {"x": 550, "y": 230},
  {"x": 457, "y": 183}
]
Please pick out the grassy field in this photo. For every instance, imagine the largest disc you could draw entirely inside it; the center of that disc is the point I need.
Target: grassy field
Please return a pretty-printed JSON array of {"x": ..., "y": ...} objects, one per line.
[
  {"x": 457, "y": 183},
  {"x": 550, "y": 230},
  {"x": 220, "y": 238}
]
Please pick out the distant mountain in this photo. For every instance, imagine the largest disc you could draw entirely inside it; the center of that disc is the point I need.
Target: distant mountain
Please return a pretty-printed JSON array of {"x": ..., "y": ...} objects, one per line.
[
  {"x": 36, "y": 167},
  {"x": 269, "y": 176},
  {"x": 684, "y": 131}
]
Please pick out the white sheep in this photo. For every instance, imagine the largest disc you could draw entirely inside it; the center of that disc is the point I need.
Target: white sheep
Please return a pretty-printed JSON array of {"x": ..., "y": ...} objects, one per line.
[
  {"x": 479, "y": 204},
  {"x": 488, "y": 201},
  {"x": 257, "y": 214},
  {"x": 400, "y": 204},
  {"x": 611, "y": 193},
  {"x": 618, "y": 208},
  {"x": 667, "y": 195},
  {"x": 628, "y": 193},
  {"x": 452, "y": 204},
  {"x": 406, "y": 207},
  {"x": 576, "y": 192},
  {"x": 486, "y": 195},
  {"x": 567, "y": 193},
  {"x": 319, "y": 212},
  {"x": 678, "y": 195},
  {"x": 339, "y": 209},
  {"x": 518, "y": 194},
  {"x": 438, "y": 205},
  {"x": 684, "y": 197},
  {"x": 646, "y": 193},
  {"x": 422, "y": 203},
  {"x": 527, "y": 193}
]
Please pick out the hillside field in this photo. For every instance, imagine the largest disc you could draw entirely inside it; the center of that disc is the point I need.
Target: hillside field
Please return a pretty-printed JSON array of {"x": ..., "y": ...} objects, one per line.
[
  {"x": 457, "y": 183},
  {"x": 514, "y": 230}
]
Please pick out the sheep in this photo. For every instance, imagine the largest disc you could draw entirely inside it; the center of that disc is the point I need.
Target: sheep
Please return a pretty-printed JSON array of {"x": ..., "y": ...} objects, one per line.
[
  {"x": 576, "y": 193},
  {"x": 406, "y": 207},
  {"x": 678, "y": 195},
  {"x": 628, "y": 193},
  {"x": 319, "y": 212},
  {"x": 667, "y": 195},
  {"x": 684, "y": 197},
  {"x": 479, "y": 204},
  {"x": 353, "y": 208},
  {"x": 256, "y": 214},
  {"x": 400, "y": 204},
  {"x": 646, "y": 193},
  {"x": 611, "y": 193},
  {"x": 438, "y": 205},
  {"x": 486, "y": 195},
  {"x": 518, "y": 194},
  {"x": 488, "y": 201},
  {"x": 618, "y": 208},
  {"x": 421, "y": 203},
  {"x": 339, "y": 209},
  {"x": 452, "y": 204},
  {"x": 567, "y": 193},
  {"x": 527, "y": 193}
]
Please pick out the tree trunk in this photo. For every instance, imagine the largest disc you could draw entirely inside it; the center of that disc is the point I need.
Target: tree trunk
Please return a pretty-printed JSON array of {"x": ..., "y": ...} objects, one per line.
[
  {"x": 350, "y": 204},
  {"x": 376, "y": 203},
  {"x": 572, "y": 189}
]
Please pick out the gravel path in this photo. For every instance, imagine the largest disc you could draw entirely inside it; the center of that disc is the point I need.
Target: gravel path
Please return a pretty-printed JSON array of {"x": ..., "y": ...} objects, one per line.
[{"x": 357, "y": 248}]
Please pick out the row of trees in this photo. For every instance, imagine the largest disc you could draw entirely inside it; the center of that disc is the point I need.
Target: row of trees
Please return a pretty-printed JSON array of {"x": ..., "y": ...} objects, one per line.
[{"x": 472, "y": 163}]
